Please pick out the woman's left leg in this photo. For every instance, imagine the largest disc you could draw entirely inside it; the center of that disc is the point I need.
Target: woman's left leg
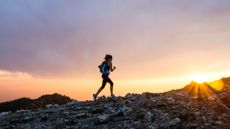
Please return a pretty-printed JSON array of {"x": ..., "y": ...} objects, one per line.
[{"x": 104, "y": 81}]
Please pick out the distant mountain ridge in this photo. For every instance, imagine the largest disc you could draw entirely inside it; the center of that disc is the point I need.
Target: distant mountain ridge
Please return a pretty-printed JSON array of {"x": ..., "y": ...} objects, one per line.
[{"x": 28, "y": 104}]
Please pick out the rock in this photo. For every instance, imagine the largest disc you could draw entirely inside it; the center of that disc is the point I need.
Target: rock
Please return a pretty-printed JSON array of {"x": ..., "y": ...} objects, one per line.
[
  {"x": 126, "y": 109},
  {"x": 211, "y": 98},
  {"x": 96, "y": 110},
  {"x": 139, "y": 102},
  {"x": 112, "y": 98},
  {"x": 149, "y": 116},
  {"x": 195, "y": 97},
  {"x": 72, "y": 103},
  {"x": 27, "y": 118},
  {"x": 224, "y": 115},
  {"x": 4, "y": 114},
  {"x": 170, "y": 99},
  {"x": 103, "y": 118},
  {"x": 175, "y": 121},
  {"x": 140, "y": 115},
  {"x": 171, "y": 123},
  {"x": 81, "y": 115},
  {"x": 101, "y": 98},
  {"x": 197, "y": 113},
  {"x": 206, "y": 124},
  {"x": 153, "y": 126},
  {"x": 52, "y": 106},
  {"x": 223, "y": 95},
  {"x": 219, "y": 122},
  {"x": 67, "y": 113},
  {"x": 22, "y": 110},
  {"x": 44, "y": 118},
  {"x": 204, "y": 118},
  {"x": 164, "y": 116},
  {"x": 191, "y": 125},
  {"x": 129, "y": 95}
]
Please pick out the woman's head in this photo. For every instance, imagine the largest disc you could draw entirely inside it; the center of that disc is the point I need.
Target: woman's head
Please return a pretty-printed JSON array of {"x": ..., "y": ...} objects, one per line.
[{"x": 108, "y": 57}]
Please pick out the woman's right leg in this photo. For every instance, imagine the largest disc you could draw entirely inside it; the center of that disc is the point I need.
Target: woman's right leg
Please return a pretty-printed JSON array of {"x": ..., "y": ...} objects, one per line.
[{"x": 111, "y": 86}]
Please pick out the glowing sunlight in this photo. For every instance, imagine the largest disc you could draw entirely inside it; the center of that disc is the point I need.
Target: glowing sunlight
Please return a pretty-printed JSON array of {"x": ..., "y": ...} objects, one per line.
[{"x": 200, "y": 78}]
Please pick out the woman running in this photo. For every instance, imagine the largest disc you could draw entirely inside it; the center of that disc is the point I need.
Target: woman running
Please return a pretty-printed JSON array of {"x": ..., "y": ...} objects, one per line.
[{"x": 105, "y": 68}]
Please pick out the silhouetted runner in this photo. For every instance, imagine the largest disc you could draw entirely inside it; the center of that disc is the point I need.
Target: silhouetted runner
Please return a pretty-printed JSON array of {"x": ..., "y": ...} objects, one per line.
[{"x": 105, "y": 68}]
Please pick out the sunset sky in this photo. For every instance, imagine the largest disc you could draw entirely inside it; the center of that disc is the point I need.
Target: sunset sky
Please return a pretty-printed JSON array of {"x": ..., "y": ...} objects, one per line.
[{"x": 49, "y": 46}]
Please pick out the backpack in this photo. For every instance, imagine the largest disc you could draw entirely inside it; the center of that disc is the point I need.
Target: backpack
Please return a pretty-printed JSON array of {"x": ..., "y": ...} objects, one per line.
[{"x": 102, "y": 67}]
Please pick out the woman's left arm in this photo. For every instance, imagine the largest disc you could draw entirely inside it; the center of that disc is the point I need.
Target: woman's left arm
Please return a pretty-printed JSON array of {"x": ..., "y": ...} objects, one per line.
[{"x": 111, "y": 67}]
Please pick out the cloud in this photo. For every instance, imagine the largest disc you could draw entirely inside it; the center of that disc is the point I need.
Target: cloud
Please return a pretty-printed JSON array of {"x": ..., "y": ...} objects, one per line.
[
  {"x": 68, "y": 38},
  {"x": 8, "y": 75}
]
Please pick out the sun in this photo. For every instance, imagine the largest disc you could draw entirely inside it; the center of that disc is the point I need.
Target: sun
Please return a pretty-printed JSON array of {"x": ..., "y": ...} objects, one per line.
[{"x": 200, "y": 78}]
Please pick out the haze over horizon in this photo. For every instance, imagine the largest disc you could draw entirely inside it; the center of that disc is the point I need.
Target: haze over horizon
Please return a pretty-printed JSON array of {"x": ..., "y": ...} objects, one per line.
[{"x": 56, "y": 46}]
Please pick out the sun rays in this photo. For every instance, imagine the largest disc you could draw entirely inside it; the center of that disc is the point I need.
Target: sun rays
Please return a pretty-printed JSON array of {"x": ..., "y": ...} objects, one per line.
[
  {"x": 205, "y": 89},
  {"x": 201, "y": 86}
]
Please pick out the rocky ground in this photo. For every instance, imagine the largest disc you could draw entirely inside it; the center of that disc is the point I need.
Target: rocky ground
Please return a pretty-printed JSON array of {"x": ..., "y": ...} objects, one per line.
[{"x": 176, "y": 109}]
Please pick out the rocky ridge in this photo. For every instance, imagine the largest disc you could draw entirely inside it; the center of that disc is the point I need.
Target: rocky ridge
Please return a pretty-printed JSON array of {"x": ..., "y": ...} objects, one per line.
[{"x": 177, "y": 109}]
